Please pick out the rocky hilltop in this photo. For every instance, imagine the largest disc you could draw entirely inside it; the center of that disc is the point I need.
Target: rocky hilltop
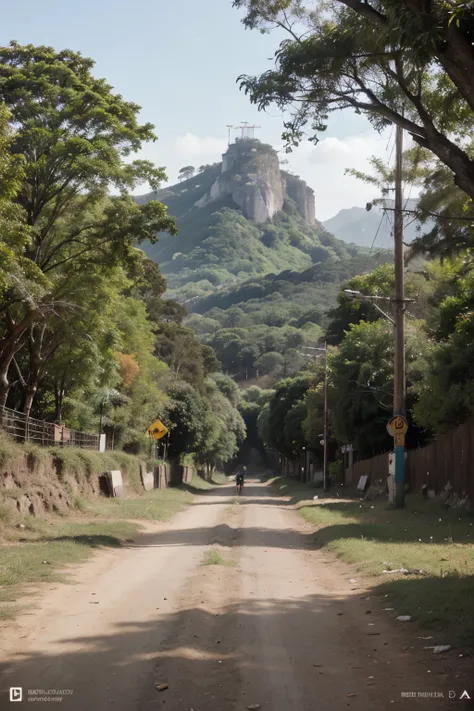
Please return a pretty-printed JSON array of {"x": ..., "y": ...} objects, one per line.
[
  {"x": 251, "y": 176},
  {"x": 240, "y": 218}
]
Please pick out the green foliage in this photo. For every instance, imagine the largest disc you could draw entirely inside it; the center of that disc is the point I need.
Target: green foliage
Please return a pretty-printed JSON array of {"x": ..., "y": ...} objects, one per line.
[
  {"x": 280, "y": 423},
  {"x": 72, "y": 137},
  {"x": 83, "y": 312},
  {"x": 14, "y": 269},
  {"x": 187, "y": 172},
  {"x": 446, "y": 395},
  {"x": 380, "y": 282},
  {"x": 395, "y": 62},
  {"x": 207, "y": 424},
  {"x": 270, "y": 362},
  {"x": 272, "y": 315},
  {"x": 361, "y": 383}
]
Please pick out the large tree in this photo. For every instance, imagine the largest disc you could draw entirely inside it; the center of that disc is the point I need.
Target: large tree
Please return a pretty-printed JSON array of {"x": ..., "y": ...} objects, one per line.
[
  {"x": 73, "y": 136},
  {"x": 405, "y": 62},
  {"x": 361, "y": 383}
]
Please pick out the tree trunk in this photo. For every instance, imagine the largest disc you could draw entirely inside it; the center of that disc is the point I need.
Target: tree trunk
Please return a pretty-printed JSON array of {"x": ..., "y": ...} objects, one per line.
[
  {"x": 457, "y": 58},
  {"x": 59, "y": 397},
  {"x": 30, "y": 396},
  {"x": 36, "y": 364},
  {"x": 10, "y": 346},
  {"x": 452, "y": 156},
  {"x": 4, "y": 382}
]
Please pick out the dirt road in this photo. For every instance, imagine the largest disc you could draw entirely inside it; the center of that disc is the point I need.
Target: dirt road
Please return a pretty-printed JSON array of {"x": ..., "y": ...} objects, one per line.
[{"x": 279, "y": 626}]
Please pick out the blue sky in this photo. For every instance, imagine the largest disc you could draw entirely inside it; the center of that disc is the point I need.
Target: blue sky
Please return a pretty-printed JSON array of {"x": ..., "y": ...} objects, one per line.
[{"x": 179, "y": 60}]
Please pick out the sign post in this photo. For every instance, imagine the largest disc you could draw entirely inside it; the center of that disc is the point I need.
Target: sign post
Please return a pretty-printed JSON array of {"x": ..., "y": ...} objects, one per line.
[
  {"x": 157, "y": 430},
  {"x": 397, "y": 427}
]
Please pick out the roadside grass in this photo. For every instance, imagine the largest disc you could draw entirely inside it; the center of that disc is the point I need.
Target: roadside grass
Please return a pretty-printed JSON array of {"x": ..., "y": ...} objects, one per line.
[
  {"x": 45, "y": 549},
  {"x": 214, "y": 558},
  {"x": 49, "y": 552},
  {"x": 425, "y": 536},
  {"x": 156, "y": 505},
  {"x": 199, "y": 484}
]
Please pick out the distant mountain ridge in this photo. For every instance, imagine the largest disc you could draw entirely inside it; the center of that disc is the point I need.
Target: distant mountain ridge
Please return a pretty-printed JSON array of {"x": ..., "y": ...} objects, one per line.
[{"x": 356, "y": 225}]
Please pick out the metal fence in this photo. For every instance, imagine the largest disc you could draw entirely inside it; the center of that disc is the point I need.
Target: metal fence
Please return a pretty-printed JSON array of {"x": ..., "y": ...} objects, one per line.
[{"x": 28, "y": 429}]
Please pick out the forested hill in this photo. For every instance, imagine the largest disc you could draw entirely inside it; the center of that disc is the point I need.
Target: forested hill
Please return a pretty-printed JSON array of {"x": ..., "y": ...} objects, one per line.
[
  {"x": 239, "y": 219},
  {"x": 256, "y": 270}
]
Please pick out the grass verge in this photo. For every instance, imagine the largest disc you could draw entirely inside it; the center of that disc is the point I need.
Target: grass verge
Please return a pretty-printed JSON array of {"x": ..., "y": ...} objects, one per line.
[
  {"x": 214, "y": 558},
  {"x": 43, "y": 550},
  {"x": 157, "y": 505},
  {"x": 50, "y": 549},
  {"x": 425, "y": 536}
]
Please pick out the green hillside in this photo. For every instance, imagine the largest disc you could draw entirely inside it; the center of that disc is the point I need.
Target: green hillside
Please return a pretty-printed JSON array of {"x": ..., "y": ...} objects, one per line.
[
  {"x": 218, "y": 246},
  {"x": 276, "y": 314},
  {"x": 255, "y": 291}
]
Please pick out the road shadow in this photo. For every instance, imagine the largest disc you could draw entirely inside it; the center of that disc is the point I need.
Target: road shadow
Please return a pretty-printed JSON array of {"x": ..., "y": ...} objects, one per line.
[
  {"x": 94, "y": 541},
  {"x": 210, "y": 659},
  {"x": 245, "y": 500},
  {"x": 227, "y": 537},
  {"x": 215, "y": 487}
]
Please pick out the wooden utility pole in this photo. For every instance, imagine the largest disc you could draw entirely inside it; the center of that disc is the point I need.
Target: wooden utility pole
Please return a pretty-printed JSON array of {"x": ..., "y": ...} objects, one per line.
[
  {"x": 399, "y": 385},
  {"x": 326, "y": 421},
  {"x": 324, "y": 441}
]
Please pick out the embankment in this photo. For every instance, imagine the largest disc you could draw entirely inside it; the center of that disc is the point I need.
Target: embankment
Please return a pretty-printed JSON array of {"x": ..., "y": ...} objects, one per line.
[{"x": 39, "y": 481}]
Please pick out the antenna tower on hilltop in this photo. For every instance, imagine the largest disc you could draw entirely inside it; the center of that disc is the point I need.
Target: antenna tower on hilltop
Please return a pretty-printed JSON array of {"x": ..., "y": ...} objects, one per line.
[{"x": 246, "y": 130}]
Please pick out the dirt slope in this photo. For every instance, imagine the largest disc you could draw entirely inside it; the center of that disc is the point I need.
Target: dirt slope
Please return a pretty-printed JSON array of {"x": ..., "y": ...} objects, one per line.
[{"x": 279, "y": 627}]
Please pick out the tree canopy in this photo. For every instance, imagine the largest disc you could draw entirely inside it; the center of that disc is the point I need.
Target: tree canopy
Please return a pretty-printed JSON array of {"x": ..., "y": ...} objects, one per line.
[
  {"x": 406, "y": 63},
  {"x": 72, "y": 138},
  {"x": 86, "y": 335}
]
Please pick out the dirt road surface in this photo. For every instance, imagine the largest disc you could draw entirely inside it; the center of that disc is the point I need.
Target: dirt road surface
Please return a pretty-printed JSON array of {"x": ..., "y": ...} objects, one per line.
[{"x": 278, "y": 627}]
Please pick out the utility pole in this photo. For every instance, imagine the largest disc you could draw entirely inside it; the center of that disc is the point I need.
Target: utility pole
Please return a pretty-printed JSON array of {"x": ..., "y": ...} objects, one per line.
[
  {"x": 398, "y": 425},
  {"x": 326, "y": 414},
  {"x": 326, "y": 421},
  {"x": 399, "y": 385}
]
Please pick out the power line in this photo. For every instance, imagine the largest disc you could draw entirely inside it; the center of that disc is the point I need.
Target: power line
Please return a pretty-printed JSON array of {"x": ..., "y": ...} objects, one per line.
[{"x": 374, "y": 240}]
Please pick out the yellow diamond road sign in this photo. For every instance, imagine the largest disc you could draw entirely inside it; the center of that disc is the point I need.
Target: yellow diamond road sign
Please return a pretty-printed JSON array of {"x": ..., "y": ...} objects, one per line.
[{"x": 157, "y": 429}]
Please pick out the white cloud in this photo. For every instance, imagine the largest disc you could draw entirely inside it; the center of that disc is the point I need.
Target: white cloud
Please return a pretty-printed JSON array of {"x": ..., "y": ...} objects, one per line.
[
  {"x": 323, "y": 167},
  {"x": 209, "y": 146}
]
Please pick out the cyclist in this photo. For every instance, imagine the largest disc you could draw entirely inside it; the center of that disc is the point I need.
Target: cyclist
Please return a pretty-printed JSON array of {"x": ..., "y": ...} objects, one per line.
[{"x": 240, "y": 478}]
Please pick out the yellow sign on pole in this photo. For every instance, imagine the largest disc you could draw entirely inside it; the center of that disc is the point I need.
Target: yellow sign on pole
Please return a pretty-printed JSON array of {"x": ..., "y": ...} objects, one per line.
[
  {"x": 399, "y": 439},
  {"x": 157, "y": 429},
  {"x": 397, "y": 425}
]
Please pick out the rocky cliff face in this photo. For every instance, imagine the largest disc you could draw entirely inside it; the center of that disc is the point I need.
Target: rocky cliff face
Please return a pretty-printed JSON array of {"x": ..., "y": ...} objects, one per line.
[
  {"x": 251, "y": 175},
  {"x": 303, "y": 195}
]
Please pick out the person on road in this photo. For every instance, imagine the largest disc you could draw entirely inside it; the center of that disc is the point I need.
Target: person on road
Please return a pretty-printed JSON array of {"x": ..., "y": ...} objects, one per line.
[{"x": 240, "y": 478}]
